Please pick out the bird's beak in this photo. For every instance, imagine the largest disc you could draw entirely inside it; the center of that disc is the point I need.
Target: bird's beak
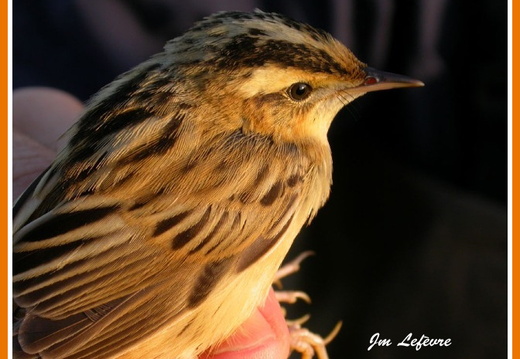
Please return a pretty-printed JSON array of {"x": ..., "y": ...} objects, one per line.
[{"x": 376, "y": 80}]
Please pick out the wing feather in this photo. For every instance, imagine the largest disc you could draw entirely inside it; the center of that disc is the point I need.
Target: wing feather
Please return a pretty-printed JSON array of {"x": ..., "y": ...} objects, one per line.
[
  {"x": 102, "y": 270},
  {"x": 80, "y": 274}
]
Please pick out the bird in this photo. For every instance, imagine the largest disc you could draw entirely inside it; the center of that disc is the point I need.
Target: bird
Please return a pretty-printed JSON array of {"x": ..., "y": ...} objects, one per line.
[{"x": 161, "y": 225}]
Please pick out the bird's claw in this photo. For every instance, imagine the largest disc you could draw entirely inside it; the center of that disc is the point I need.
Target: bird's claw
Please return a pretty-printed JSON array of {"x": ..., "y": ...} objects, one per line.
[
  {"x": 292, "y": 267},
  {"x": 303, "y": 341},
  {"x": 289, "y": 296},
  {"x": 309, "y": 344}
]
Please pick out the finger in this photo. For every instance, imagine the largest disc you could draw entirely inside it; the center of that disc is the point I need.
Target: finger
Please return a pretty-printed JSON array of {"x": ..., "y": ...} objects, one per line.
[
  {"x": 40, "y": 116},
  {"x": 44, "y": 114}
]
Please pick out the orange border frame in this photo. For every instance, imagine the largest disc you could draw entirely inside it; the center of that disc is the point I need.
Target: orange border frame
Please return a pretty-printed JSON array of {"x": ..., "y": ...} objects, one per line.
[
  {"x": 4, "y": 31},
  {"x": 515, "y": 172}
]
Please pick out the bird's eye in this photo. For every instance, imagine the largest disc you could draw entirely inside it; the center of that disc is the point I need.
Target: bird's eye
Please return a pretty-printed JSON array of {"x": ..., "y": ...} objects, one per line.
[{"x": 299, "y": 91}]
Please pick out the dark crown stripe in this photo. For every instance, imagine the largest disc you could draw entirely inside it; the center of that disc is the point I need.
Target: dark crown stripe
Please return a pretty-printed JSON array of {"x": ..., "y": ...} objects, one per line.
[{"x": 245, "y": 50}]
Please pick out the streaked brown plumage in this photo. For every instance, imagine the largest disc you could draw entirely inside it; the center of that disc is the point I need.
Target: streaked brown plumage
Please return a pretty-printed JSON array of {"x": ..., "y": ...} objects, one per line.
[{"x": 160, "y": 226}]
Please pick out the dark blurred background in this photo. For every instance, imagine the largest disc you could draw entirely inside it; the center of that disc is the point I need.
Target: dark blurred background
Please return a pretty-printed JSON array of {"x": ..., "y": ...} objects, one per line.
[{"x": 414, "y": 236}]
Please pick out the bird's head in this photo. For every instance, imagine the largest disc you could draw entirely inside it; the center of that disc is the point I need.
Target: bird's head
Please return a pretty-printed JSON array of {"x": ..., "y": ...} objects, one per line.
[{"x": 284, "y": 78}]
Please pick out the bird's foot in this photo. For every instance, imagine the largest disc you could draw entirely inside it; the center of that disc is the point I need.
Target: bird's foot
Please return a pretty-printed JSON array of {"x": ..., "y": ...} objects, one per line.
[
  {"x": 309, "y": 344},
  {"x": 303, "y": 341}
]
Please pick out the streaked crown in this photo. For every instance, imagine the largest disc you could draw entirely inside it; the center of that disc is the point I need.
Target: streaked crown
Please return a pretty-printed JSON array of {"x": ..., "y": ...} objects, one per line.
[{"x": 231, "y": 40}]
